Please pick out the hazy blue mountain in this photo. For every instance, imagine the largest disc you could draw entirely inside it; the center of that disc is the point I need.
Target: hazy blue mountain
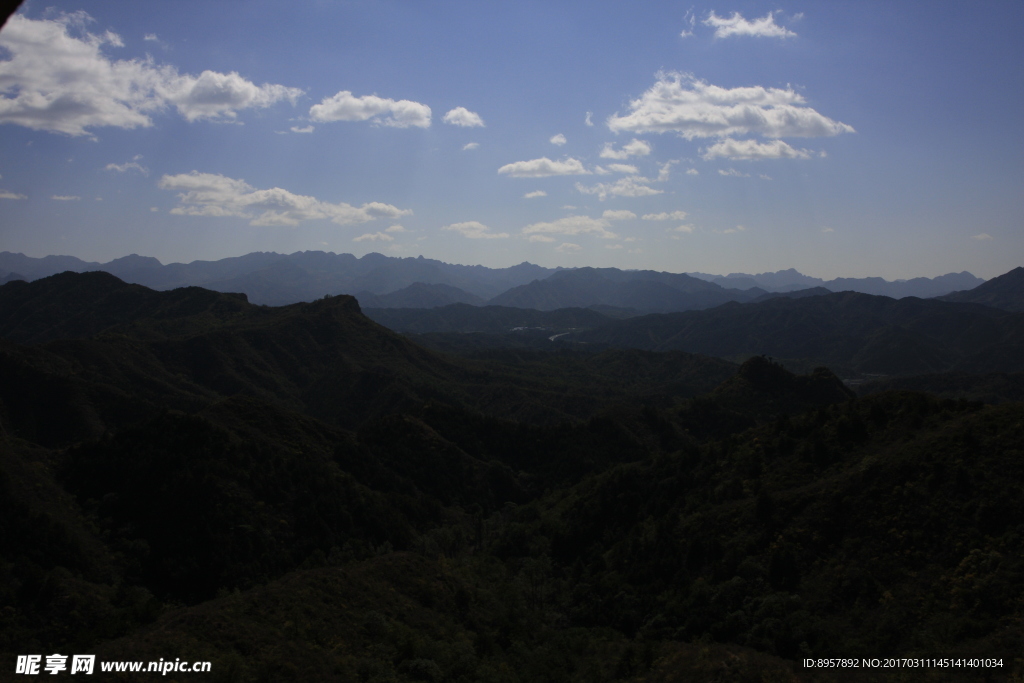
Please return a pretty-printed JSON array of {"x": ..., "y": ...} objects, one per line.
[
  {"x": 792, "y": 280},
  {"x": 1005, "y": 292},
  {"x": 644, "y": 290},
  {"x": 419, "y": 295}
]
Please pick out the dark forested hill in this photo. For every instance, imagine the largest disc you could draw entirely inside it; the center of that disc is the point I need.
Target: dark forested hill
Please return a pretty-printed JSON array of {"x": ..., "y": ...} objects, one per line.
[
  {"x": 299, "y": 493},
  {"x": 1005, "y": 292},
  {"x": 869, "y": 334}
]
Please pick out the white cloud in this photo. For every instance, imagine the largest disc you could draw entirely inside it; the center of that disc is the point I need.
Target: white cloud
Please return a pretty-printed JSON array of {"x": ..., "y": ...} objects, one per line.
[
  {"x": 690, "y": 19},
  {"x": 982, "y": 236},
  {"x": 543, "y": 167},
  {"x": 686, "y": 229},
  {"x": 674, "y": 216},
  {"x": 828, "y": 229},
  {"x": 58, "y": 79},
  {"x": 736, "y": 25},
  {"x": 128, "y": 166},
  {"x": 623, "y": 215},
  {"x": 396, "y": 228},
  {"x": 558, "y": 139},
  {"x": 692, "y": 108},
  {"x": 613, "y": 246},
  {"x": 534, "y": 194},
  {"x": 630, "y": 186},
  {"x": 344, "y": 106},
  {"x": 633, "y": 148},
  {"x": 753, "y": 150},
  {"x": 152, "y": 209},
  {"x": 730, "y": 231},
  {"x": 692, "y": 171},
  {"x": 623, "y": 168},
  {"x": 475, "y": 230},
  {"x": 210, "y": 194},
  {"x": 460, "y": 116},
  {"x": 601, "y": 170},
  {"x": 665, "y": 170},
  {"x": 733, "y": 173},
  {"x": 7, "y": 194},
  {"x": 470, "y": 145},
  {"x": 307, "y": 129},
  {"x": 587, "y": 120},
  {"x": 374, "y": 237},
  {"x": 66, "y": 198},
  {"x": 150, "y": 37},
  {"x": 568, "y": 248},
  {"x": 764, "y": 176},
  {"x": 540, "y": 238},
  {"x": 572, "y": 225}
]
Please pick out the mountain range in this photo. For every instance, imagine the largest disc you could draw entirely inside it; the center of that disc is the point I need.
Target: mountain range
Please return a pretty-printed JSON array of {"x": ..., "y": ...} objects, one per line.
[{"x": 388, "y": 282}]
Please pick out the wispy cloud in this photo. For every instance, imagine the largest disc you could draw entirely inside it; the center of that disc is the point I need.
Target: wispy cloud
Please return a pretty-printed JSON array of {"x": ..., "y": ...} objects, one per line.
[
  {"x": 982, "y": 236},
  {"x": 470, "y": 145},
  {"x": 689, "y": 20},
  {"x": 132, "y": 165},
  {"x": 543, "y": 167},
  {"x": 568, "y": 248},
  {"x": 630, "y": 186},
  {"x": 572, "y": 225},
  {"x": 344, "y": 106},
  {"x": 374, "y": 237},
  {"x": 663, "y": 216},
  {"x": 633, "y": 148},
  {"x": 558, "y": 139},
  {"x": 305, "y": 129},
  {"x": 211, "y": 194},
  {"x": 732, "y": 172},
  {"x": 588, "y": 120},
  {"x": 752, "y": 150},
  {"x": 535, "y": 194},
  {"x": 475, "y": 230},
  {"x": 736, "y": 25},
  {"x": 622, "y": 215},
  {"x": 7, "y": 194},
  {"x": 66, "y": 198},
  {"x": 682, "y": 104},
  {"x": 460, "y": 116}
]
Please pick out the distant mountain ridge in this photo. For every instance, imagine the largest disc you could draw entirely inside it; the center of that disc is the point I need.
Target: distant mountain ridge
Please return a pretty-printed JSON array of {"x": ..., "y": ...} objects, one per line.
[
  {"x": 1005, "y": 292},
  {"x": 281, "y": 279}
]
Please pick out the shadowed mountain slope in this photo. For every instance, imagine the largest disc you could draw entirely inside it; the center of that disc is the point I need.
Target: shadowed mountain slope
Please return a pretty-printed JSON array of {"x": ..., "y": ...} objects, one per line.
[
  {"x": 1005, "y": 292},
  {"x": 867, "y": 333}
]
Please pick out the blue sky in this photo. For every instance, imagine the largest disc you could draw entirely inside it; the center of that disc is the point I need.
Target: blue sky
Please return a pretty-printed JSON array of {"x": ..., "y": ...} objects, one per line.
[{"x": 842, "y": 139}]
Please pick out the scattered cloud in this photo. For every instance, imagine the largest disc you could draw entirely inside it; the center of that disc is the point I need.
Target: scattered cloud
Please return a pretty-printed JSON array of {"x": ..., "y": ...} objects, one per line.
[
  {"x": 673, "y": 216},
  {"x": 306, "y": 129},
  {"x": 665, "y": 170},
  {"x": 828, "y": 230},
  {"x": 623, "y": 215},
  {"x": 66, "y": 197},
  {"x": 152, "y": 209},
  {"x": 601, "y": 170},
  {"x": 475, "y": 230},
  {"x": 344, "y": 106},
  {"x": 686, "y": 229},
  {"x": 558, "y": 139},
  {"x": 543, "y": 167},
  {"x": 540, "y": 238},
  {"x": 569, "y": 207},
  {"x": 396, "y": 228},
  {"x": 470, "y": 145},
  {"x": 692, "y": 171},
  {"x": 613, "y": 246},
  {"x": 982, "y": 236},
  {"x": 730, "y": 231},
  {"x": 7, "y": 194},
  {"x": 151, "y": 37},
  {"x": 58, "y": 79},
  {"x": 211, "y": 194},
  {"x": 534, "y": 194},
  {"x": 460, "y": 116},
  {"x": 587, "y": 120},
  {"x": 630, "y": 186},
  {"x": 568, "y": 248},
  {"x": 633, "y": 148},
  {"x": 733, "y": 173},
  {"x": 682, "y": 104},
  {"x": 764, "y": 176},
  {"x": 623, "y": 168},
  {"x": 374, "y": 237},
  {"x": 736, "y": 25},
  {"x": 690, "y": 20},
  {"x": 129, "y": 166},
  {"x": 572, "y": 225},
  {"x": 752, "y": 150}
]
